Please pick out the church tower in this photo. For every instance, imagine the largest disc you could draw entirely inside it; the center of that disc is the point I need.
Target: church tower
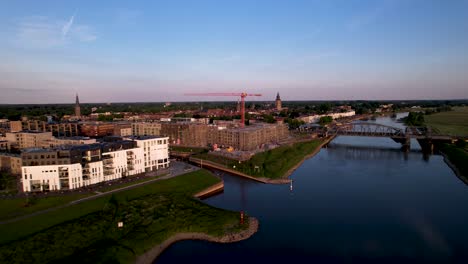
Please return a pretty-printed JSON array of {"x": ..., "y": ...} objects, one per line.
[
  {"x": 77, "y": 107},
  {"x": 278, "y": 102}
]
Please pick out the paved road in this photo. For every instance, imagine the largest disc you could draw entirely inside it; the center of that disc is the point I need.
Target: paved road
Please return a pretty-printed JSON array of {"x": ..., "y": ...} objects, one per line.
[{"x": 177, "y": 168}]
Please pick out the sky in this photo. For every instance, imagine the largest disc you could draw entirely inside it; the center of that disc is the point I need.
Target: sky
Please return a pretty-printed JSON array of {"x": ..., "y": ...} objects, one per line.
[{"x": 157, "y": 51}]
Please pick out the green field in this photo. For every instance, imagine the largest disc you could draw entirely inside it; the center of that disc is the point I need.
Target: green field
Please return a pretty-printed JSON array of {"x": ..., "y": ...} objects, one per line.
[
  {"x": 272, "y": 164},
  {"x": 452, "y": 122},
  {"x": 88, "y": 232},
  {"x": 188, "y": 149},
  {"x": 12, "y": 208}
]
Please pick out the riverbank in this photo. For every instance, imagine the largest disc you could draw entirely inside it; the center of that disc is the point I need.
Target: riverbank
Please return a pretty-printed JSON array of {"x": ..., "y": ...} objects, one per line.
[
  {"x": 151, "y": 255},
  {"x": 273, "y": 166},
  {"x": 149, "y": 215},
  {"x": 317, "y": 150},
  {"x": 456, "y": 159}
]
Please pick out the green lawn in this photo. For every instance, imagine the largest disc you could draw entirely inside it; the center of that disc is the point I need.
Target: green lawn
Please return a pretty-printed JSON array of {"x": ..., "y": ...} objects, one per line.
[
  {"x": 271, "y": 164},
  {"x": 88, "y": 232},
  {"x": 188, "y": 149},
  {"x": 452, "y": 122},
  {"x": 12, "y": 208}
]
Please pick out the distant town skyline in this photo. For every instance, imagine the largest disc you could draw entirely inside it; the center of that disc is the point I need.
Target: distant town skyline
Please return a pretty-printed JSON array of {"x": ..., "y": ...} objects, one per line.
[{"x": 144, "y": 51}]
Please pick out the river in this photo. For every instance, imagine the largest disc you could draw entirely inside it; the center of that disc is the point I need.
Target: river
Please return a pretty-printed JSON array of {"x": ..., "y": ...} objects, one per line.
[{"x": 360, "y": 200}]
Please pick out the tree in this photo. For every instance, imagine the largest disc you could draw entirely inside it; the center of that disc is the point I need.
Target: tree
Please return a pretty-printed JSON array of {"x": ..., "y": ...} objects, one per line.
[
  {"x": 324, "y": 108},
  {"x": 325, "y": 120}
]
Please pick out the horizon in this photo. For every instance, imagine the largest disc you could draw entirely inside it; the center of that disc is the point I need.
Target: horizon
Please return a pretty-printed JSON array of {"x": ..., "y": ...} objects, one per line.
[
  {"x": 247, "y": 101},
  {"x": 148, "y": 51}
]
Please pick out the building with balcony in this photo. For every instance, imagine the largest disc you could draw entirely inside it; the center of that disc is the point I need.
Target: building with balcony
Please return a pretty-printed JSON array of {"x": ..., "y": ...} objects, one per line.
[{"x": 71, "y": 167}]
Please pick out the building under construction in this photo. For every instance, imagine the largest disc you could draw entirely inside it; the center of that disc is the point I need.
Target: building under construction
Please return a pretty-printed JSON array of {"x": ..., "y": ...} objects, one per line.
[{"x": 248, "y": 138}]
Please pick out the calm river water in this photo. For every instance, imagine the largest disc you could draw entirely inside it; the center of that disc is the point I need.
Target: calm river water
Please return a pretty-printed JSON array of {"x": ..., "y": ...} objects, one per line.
[{"x": 361, "y": 200}]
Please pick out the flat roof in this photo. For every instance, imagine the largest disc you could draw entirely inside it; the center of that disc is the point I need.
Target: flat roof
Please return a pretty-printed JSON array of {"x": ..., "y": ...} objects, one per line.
[{"x": 144, "y": 137}]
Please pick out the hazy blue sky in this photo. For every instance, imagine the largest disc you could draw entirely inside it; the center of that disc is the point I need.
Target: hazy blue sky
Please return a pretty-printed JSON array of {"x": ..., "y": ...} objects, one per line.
[{"x": 111, "y": 51}]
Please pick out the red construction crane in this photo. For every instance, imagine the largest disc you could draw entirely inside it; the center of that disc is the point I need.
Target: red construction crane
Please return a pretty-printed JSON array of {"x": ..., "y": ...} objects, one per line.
[{"x": 242, "y": 96}]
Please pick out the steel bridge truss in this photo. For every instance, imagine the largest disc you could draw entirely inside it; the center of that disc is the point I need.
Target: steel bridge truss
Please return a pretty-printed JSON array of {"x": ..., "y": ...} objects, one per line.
[{"x": 368, "y": 129}]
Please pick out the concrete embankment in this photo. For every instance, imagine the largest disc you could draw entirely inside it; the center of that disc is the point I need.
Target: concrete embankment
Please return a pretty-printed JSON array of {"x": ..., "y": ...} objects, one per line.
[
  {"x": 212, "y": 190},
  {"x": 151, "y": 255}
]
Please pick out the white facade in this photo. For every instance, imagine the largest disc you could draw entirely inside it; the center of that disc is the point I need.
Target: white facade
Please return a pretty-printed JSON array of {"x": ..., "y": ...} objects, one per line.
[
  {"x": 156, "y": 152},
  {"x": 150, "y": 154},
  {"x": 52, "y": 177},
  {"x": 117, "y": 164},
  {"x": 316, "y": 118}
]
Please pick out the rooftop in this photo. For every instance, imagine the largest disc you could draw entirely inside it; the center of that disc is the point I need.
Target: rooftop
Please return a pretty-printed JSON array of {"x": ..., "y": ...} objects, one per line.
[{"x": 143, "y": 137}]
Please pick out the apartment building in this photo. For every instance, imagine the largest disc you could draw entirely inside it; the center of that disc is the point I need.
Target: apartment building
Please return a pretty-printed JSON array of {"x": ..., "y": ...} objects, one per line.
[
  {"x": 64, "y": 141},
  {"x": 27, "y": 139},
  {"x": 248, "y": 138},
  {"x": 186, "y": 134},
  {"x": 155, "y": 151},
  {"x": 146, "y": 129},
  {"x": 71, "y": 167},
  {"x": 316, "y": 118},
  {"x": 57, "y": 129},
  {"x": 97, "y": 129},
  {"x": 11, "y": 163}
]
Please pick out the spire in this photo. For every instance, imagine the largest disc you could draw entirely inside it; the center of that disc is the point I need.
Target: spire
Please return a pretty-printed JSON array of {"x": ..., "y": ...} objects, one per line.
[
  {"x": 77, "y": 106},
  {"x": 278, "y": 96}
]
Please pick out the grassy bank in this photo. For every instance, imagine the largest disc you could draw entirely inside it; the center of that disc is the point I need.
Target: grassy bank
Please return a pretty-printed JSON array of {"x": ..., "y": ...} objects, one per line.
[
  {"x": 457, "y": 156},
  {"x": 11, "y": 208},
  {"x": 88, "y": 232},
  {"x": 188, "y": 149},
  {"x": 272, "y": 164},
  {"x": 452, "y": 122}
]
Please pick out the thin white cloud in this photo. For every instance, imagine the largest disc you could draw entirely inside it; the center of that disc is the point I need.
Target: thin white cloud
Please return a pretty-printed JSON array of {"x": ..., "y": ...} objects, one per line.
[
  {"x": 45, "y": 32},
  {"x": 67, "y": 26},
  {"x": 84, "y": 33},
  {"x": 371, "y": 15}
]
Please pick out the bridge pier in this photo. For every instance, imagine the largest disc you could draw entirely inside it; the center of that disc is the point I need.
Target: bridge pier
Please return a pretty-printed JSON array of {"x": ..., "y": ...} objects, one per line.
[
  {"x": 426, "y": 145},
  {"x": 404, "y": 141},
  {"x": 406, "y": 145}
]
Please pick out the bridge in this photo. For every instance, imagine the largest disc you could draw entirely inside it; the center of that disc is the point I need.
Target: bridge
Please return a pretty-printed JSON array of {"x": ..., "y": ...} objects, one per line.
[{"x": 425, "y": 136}]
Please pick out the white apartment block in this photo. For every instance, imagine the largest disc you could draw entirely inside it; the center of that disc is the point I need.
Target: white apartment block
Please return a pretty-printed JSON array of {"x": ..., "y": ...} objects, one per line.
[
  {"x": 148, "y": 154},
  {"x": 52, "y": 177},
  {"x": 316, "y": 118},
  {"x": 156, "y": 151}
]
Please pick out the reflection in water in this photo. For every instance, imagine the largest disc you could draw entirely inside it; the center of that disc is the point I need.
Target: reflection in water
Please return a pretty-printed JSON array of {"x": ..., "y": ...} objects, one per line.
[{"x": 361, "y": 200}]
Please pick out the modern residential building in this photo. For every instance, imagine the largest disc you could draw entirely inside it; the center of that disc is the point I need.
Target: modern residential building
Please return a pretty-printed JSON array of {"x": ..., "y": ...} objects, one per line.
[
  {"x": 15, "y": 126},
  {"x": 58, "y": 129},
  {"x": 4, "y": 145},
  {"x": 63, "y": 141},
  {"x": 316, "y": 118},
  {"x": 248, "y": 138},
  {"x": 186, "y": 134},
  {"x": 155, "y": 149},
  {"x": 146, "y": 129},
  {"x": 97, "y": 129},
  {"x": 73, "y": 167},
  {"x": 27, "y": 139},
  {"x": 123, "y": 129},
  {"x": 11, "y": 163}
]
